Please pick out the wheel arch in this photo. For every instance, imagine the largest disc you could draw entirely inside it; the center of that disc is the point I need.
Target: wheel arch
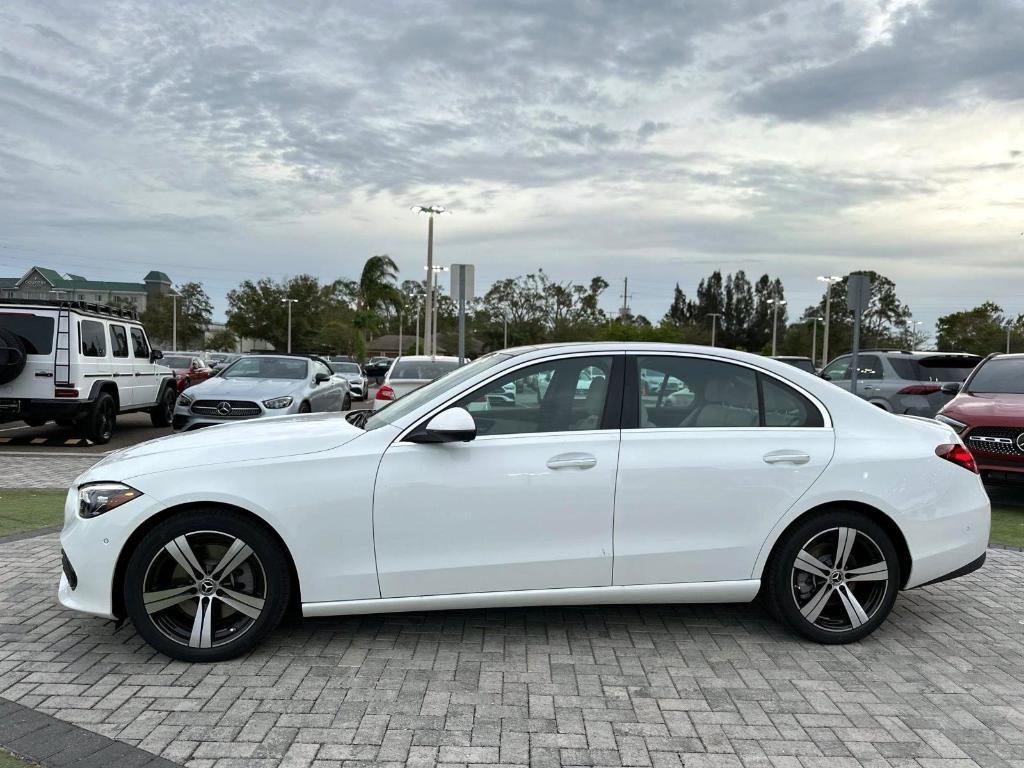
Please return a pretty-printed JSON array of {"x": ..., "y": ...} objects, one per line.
[
  {"x": 117, "y": 591},
  {"x": 873, "y": 513},
  {"x": 110, "y": 387}
]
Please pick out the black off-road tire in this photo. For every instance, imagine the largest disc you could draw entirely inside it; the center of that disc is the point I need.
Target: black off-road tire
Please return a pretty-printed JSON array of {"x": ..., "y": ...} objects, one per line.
[
  {"x": 99, "y": 425},
  {"x": 12, "y": 356},
  {"x": 35, "y": 421},
  {"x": 162, "y": 414}
]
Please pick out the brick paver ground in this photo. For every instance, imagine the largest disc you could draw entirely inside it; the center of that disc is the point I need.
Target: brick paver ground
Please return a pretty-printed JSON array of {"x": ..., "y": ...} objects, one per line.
[
  {"x": 941, "y": 685},
  {"x": 56, "y": 470}
]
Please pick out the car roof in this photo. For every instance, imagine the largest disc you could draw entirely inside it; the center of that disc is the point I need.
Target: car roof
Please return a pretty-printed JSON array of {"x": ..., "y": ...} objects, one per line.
[{"x": 425, "y": 358}]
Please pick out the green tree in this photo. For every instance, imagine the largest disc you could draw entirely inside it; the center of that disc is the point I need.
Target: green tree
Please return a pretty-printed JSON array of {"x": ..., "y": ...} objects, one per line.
[
  {"x": 193, "y": 309},
  {"x": 981, "y": 330},
  {"x": 223, "y": 340},
  {"x": 883, "y": 324},
  {"x": 256, "y": 309},
  {"x": 377, "y": 295}
]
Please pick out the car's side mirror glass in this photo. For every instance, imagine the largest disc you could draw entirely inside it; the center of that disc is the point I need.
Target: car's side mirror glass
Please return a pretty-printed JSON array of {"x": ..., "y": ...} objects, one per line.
[
  {"x": 155, "y": 354},
  {"x": 952, "y": 388},
  {"x": 321, "y": 377},
  {"x": 454, "y": 425}
]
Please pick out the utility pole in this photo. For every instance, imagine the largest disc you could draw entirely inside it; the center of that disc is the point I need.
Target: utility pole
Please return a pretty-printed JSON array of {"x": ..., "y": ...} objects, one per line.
[
  {"x": 399, "y": 332},
  {"x": 419, "y": 307},
  {"x": 829, "y": 282},
  {"x": 1009, "y": 328},
  {"x": 506, "y": 330},
  {"x": 776, "y": 303},
  {"x": 174, "y": 321},
  {"x": 624, "y": 312},
  {"x": 289, "y": 302},
  {"x": 714, "y": 324},
  {"x": 429, "y": 332},
  {"x": 814, "y": 340}
]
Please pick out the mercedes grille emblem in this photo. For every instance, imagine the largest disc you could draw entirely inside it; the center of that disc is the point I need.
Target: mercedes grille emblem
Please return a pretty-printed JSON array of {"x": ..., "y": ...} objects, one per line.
[
  {"x": 1020, "y": 442},
  {"x": 224, "y": 408}
]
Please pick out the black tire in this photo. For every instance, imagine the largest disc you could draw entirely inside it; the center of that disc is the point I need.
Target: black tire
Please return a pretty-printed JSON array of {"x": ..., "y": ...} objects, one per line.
[
  {"x": 35, "y": 422},
  {"x": 346, "y": 404},
  {"x": 99, "y": 425},
  {"x": 814, "y": 598},
  {"x": 12, "y": 356},
  {"x": 162, "y": 414},
  {"x": 262, "y": 578},
  {"x": 304, "y": 407}
]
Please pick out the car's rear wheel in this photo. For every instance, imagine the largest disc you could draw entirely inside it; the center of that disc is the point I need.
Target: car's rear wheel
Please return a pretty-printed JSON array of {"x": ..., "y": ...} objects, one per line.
[
  {"x": 163, "y": 413},
  {"x": 206, "y": 585},
  {"x": 834, "y": 578},
  {"x": 98, "y": 426},
  {"x": 346, "y": 404}
]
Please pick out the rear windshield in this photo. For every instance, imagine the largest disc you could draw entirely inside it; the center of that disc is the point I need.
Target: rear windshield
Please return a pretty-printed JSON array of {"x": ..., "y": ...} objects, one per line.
[
  {"x": 934, "y": 368},
  {"x": 1000, "y": 377},
  {"x": 176, "y": 362},
  {"x": 422, "y": 369},
  {"x": 803, "y": 365},
  {"x": 266, "y": 368},
  {"x": 34, "y": 331}
]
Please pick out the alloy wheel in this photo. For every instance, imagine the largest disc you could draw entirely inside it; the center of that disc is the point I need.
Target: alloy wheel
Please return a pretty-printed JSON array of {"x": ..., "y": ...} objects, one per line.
[
  {"x": 839, "y": 579},
  {"x": 204, "y": 589}
]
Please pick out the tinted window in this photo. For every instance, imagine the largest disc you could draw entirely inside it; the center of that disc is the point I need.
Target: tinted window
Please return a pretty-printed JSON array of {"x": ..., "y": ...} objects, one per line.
[
  {"x": 94, "y": 342},
  {"x": 556, "y": 396},
  {"x": 869, "y": 367},
  {"x": 837, "y": 370},
  {"x": 934, "y": 368},
  {"x": 1000, "y": 376},
  {"x": 693, "y": 392},
  {"x": 267, "y": 368},
  {"x": 118, "y": 341},
  {"x": 139, "y": 343},
  {"x": 35, "y": 331},
  {"x": 785, "y": 407},
  {"x": 424, "y": 370}
]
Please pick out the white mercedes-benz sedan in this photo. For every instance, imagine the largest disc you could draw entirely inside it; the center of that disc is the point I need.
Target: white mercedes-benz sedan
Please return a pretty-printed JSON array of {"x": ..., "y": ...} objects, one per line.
[{"x": 679, "y": 474}]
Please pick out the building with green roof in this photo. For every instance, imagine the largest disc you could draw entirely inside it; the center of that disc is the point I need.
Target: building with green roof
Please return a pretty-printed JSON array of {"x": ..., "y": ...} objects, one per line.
[{"x": 44, "y": 283}]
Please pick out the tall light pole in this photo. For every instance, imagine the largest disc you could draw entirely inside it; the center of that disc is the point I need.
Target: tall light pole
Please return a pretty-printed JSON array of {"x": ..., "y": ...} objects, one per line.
[
  {"x": 431, "y": 322},
  {"x": 505, "y": 317},
  {"x": 431, "y": 211},
  {"x": 289, "y": 302},
  {"x": 912, "y": 333},
  {"x": 776, "y": 303},
  {"x": 399, "y": 331},
  {"x": 419, "y": 307},
  {"x": 829, "y": 281},
  {"x": 174, "y": 321},
  {"x": 814, "y": 339},
  {"x": 1009, "y": 328},
  {"x": 714, "y": 324}
]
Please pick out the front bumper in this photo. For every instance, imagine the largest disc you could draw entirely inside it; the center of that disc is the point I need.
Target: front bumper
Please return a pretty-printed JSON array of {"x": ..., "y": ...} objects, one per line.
[{"x": 184, "y": 420}]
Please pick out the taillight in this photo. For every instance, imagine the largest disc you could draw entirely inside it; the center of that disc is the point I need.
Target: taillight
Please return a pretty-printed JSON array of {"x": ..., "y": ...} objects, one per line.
[
  {"x": 921, "y": 389},
  {"x": 385, "y": 393},
  {"x": 59, "y": 392},
  {"x": 958, "y": 454}
]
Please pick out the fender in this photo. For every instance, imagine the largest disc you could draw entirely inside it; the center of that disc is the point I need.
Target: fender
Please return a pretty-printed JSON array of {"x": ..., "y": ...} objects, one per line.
[{"x": 99, "y": 384}]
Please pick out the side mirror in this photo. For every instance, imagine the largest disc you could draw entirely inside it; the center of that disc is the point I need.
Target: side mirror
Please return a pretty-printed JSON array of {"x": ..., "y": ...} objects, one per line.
[
  {"x": 455, "y": 425},
  {"x": 321, "y": 377},
  {"x": 952, "y": 388},
  {"x": 155, "y": 354}
]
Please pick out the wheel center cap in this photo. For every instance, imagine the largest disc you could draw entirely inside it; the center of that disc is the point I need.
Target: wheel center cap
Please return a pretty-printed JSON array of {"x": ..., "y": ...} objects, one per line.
[
  {"x": 207, "y": 586},
  {"x": 836, "y": 577}
]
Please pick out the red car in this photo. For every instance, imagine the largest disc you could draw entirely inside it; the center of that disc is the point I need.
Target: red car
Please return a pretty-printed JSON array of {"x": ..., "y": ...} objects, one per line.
[
  {"x": 988, "y": 414},
  {"x": 188, "y": 369}
]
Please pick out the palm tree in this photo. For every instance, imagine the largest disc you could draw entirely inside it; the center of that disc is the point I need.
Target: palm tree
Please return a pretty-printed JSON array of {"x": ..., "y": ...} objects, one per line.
[{"x": 376, "y": 292}]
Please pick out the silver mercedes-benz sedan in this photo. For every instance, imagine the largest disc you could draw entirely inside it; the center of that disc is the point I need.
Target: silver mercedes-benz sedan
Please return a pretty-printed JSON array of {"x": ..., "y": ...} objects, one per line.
[{"x": 262, "y": 385}]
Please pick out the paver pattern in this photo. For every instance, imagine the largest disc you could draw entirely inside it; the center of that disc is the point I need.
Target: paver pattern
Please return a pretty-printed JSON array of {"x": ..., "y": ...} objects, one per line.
[
  {"x": 43, "y": 471},
  {"x": 941, "y": 685}
]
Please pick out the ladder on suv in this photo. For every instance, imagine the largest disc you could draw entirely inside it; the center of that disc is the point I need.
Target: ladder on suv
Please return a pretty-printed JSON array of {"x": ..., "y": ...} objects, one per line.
[{"x": 62, "y": 354}]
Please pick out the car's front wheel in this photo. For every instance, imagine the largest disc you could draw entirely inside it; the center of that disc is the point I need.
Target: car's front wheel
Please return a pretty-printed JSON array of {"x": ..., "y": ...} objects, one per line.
[
  {"x": 834, "y": 578},
  {"x": 163, "y": 413},
  {"x": 206, "y": 585}
]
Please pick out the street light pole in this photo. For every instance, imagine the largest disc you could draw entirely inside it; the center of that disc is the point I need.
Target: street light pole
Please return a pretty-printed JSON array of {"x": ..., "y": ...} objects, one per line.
[
  {"x": 814, "y": 340},
  {"x": 399, "y": 330},
  {"x": 174, "y": 322},
  {"x": 506, "y": 330},
  {"x": 714, "y": 324},
  {"x": 429, "y": 332},
  {"x": 289, "y": 302},
  {"x": 829, "y": 282},
  {"x": 776, "y": 303},
  {"x": 1009, "y": 328}
]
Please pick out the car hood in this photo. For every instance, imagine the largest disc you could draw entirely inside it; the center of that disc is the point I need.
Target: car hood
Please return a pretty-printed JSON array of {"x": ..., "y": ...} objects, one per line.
[
  {"x": 246, "y": 389},
  {"x": 227, "y": 443},
  {"x": 985, "y": 410}
]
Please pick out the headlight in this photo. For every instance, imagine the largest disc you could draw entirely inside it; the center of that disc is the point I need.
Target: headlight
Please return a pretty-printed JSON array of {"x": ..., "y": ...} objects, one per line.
[
  {"x": 958, "y": 426},
  {"x": 95, "y": 499},
  {"x": 278, "y": 402},
  {"x": 184, "y": 399}
]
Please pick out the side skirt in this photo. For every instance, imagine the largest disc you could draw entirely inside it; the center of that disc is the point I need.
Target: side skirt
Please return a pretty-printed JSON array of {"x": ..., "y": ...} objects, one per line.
[{"x": 698, "y": 592}]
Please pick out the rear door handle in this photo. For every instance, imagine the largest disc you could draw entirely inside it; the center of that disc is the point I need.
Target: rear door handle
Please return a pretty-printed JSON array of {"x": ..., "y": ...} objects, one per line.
[
  {"x": 572, "y": 461},
  {"x": 786, "y": 457}
]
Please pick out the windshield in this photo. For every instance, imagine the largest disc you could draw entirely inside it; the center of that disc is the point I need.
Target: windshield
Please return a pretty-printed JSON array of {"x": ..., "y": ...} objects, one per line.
[
  {"x": 346, "y": 367},
  {"x": 176, "y": 362},
  {"x": 399, "y": 408},
  {"x": 422, "y": 369},
  {"x": 1001, "y": 377},
  {"x": 267, "y": 368}
]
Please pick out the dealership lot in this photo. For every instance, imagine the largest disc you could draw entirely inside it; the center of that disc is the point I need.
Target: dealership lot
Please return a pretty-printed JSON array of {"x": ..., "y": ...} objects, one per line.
[{"x": 937, "y": 686}]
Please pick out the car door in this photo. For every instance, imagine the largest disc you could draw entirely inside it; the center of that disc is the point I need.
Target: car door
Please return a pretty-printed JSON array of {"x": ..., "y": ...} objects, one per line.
[
  {"x": 121, "y": 364},
  {"x": 525, "y": 505},
  {"x": 147, "y": 378},
  {"x": 713, "y": 453},
  {"x": 327, "y": 395}
]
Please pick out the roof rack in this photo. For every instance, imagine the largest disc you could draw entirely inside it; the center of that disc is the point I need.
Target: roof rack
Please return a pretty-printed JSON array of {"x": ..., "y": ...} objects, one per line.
[{"x": 92, "y": 307}]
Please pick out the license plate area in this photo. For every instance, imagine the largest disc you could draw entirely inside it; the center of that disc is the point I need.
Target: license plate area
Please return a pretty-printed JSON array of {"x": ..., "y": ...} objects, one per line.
[{"x": 10, "y": 405}]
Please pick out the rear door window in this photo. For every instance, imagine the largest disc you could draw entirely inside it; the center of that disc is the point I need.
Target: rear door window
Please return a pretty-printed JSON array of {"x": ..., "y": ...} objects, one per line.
[
  {"x": 118, "y": 341},
  {"x": 94, "y": 340},
  {"x": 34, "y": 331},
  {"x": 939, "y": 368}
]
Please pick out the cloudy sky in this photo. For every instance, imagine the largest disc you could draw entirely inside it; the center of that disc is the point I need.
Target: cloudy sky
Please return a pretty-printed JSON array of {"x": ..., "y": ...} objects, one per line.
[{"x": 656, "y": 140}]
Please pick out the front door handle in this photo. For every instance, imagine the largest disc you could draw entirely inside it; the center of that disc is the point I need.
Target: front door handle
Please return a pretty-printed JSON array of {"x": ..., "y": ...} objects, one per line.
[
  {"x": 572, "y": 461},
  {"x": 786, "y": 457}
]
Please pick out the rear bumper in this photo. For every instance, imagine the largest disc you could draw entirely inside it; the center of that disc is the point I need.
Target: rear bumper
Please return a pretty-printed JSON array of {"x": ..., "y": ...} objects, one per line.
[
  {"x": 29, "y": 408},
  {"x": 971, "y": 567}
]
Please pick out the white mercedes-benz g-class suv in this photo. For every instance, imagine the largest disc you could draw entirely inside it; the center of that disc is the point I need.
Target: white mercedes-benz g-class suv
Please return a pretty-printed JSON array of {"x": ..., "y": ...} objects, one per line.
[{"x": 79, "y": 364}]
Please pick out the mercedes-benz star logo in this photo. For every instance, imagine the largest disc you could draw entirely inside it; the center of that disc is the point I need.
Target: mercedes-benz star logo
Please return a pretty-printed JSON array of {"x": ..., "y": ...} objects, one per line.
[
  {"x": 224, "y": 408},
  {"x": 1020, "y": 442}
]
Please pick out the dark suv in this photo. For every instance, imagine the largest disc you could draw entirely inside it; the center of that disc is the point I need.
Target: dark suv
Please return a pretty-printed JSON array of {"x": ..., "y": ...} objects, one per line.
[{"x": 903, "y": 382}]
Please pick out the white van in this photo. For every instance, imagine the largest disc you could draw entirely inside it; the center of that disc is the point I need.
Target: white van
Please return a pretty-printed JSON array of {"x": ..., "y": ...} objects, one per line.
[{"x": 79, "y": 363}]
